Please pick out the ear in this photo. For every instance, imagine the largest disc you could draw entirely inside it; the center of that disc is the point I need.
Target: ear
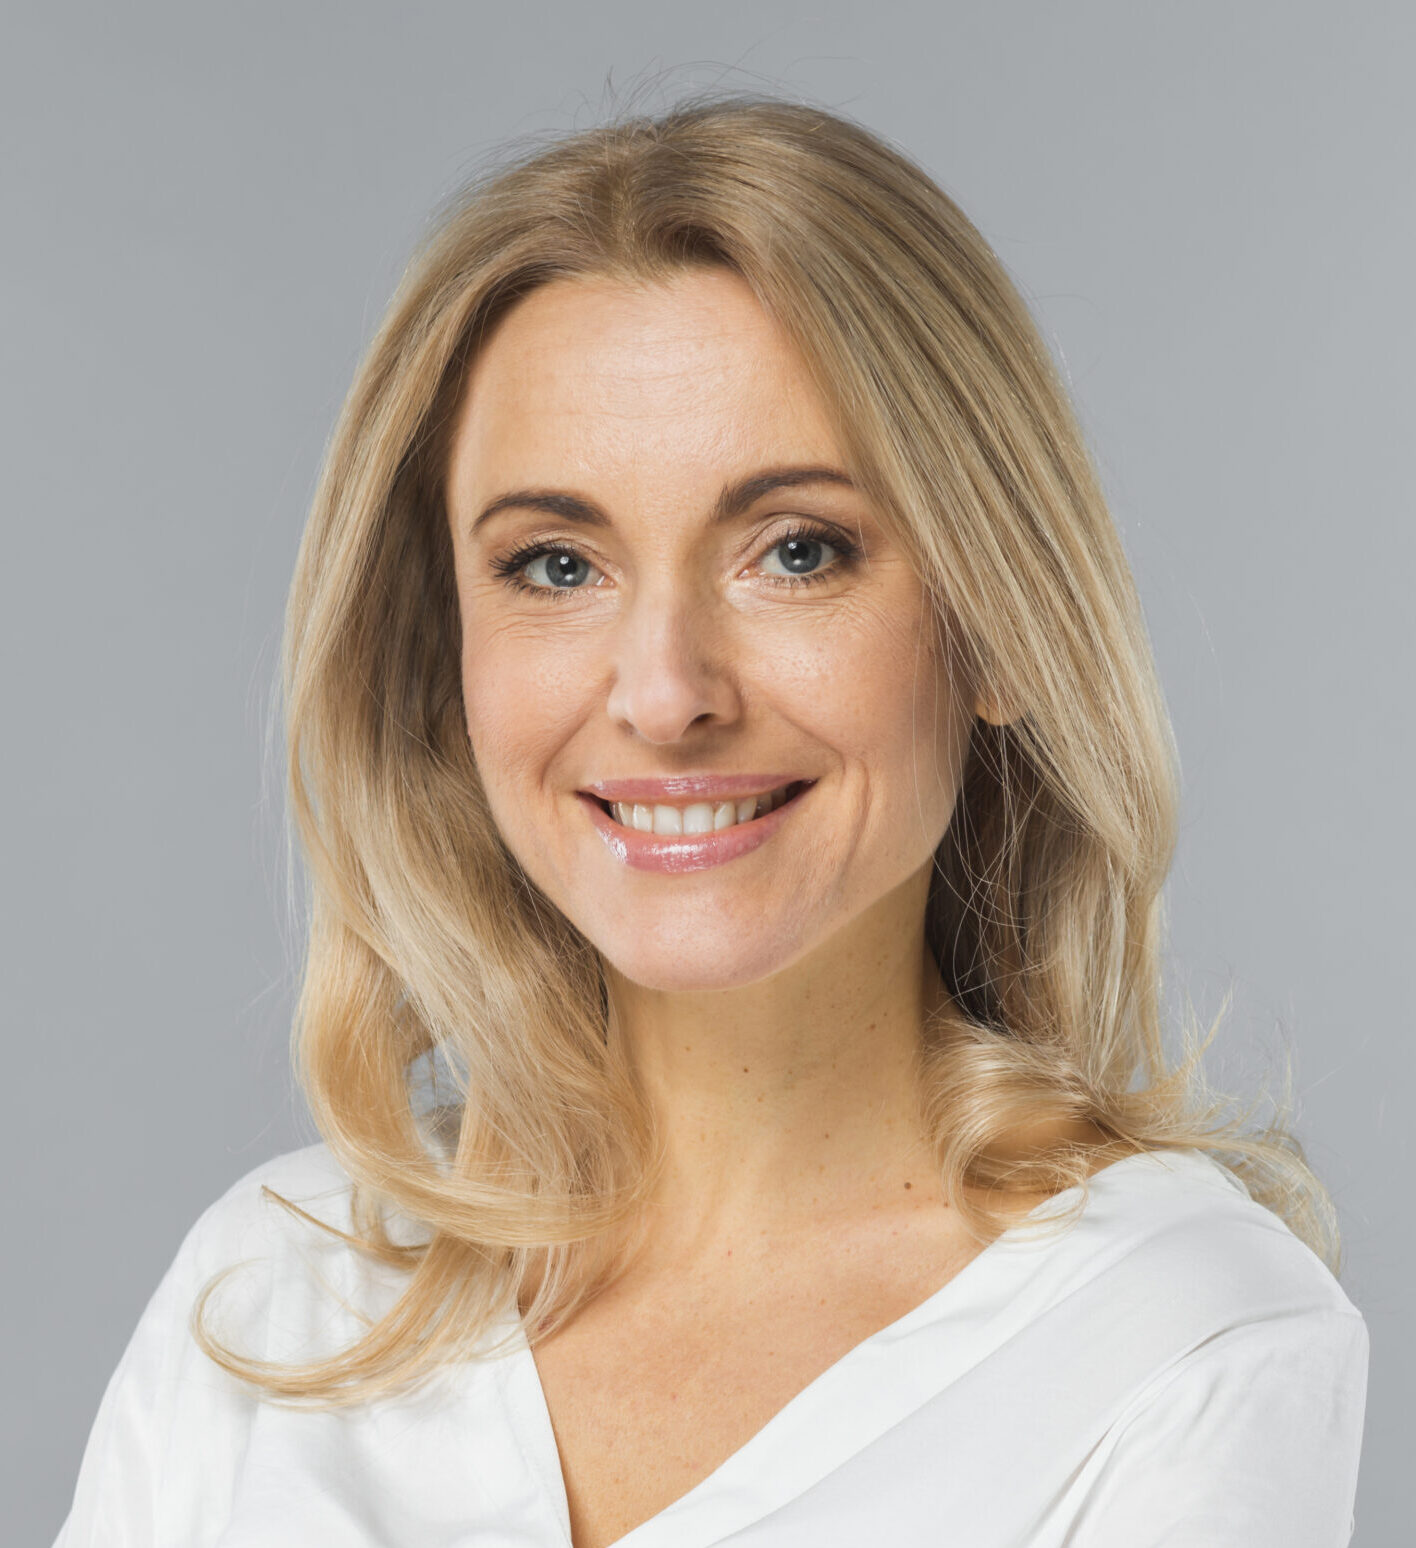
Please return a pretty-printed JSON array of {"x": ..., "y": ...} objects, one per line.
[{"x": 993, "y": 710}]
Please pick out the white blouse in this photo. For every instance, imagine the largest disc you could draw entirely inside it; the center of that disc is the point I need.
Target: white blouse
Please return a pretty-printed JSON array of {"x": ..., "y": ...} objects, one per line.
[{"x": 1176, "y": 1371}]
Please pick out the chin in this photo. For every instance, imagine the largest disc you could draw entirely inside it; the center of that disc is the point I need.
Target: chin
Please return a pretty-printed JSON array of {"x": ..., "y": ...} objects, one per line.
[{"x": 674, "y": 968}]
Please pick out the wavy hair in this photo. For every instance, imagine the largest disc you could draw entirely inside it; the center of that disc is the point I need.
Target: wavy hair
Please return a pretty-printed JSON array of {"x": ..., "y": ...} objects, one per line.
[{"x": 426, "y": 940}]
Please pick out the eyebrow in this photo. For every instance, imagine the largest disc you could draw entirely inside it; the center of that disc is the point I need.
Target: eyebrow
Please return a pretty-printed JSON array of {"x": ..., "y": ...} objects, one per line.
[{"x": 733, "y": 500}]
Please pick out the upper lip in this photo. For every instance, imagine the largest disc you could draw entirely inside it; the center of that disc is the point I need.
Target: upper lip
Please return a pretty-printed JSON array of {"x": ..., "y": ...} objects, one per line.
[{"x": 706, "y": 787}]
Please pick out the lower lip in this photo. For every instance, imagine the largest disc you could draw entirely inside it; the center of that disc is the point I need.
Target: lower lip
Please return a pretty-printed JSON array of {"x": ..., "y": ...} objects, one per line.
[{"x": 692, "y": 852}]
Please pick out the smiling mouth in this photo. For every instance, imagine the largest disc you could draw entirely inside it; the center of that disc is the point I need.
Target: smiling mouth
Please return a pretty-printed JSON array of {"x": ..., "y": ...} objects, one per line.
[{"x": 699, "y": 817}]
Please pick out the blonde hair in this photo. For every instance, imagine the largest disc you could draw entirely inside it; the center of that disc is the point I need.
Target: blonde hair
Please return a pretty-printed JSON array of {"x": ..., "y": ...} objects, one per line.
[{"x": 427, "y": 940}]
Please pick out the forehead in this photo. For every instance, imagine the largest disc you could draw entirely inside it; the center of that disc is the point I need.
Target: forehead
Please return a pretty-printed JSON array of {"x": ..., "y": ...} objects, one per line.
[{"x": 592, "y": 379}]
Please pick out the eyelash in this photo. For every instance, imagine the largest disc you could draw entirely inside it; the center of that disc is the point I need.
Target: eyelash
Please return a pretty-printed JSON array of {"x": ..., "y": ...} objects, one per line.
[{"x": 509, "y": 566}]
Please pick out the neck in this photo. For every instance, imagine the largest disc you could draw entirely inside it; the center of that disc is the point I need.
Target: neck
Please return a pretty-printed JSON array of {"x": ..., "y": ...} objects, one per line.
[{"x": 789, "y": 1101}]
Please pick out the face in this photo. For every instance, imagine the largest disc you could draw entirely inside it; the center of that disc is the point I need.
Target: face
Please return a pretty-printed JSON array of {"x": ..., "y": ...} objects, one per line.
[{"x": 640, "y": 610}]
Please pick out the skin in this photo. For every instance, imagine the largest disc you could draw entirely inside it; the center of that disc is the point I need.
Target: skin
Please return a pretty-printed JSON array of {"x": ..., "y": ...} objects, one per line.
[{"x": 773, "y": 1004}]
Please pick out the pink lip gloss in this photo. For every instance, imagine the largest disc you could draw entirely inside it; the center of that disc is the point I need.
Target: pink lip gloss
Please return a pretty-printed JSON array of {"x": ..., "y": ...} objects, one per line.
[{"x": 685, "y": 852}]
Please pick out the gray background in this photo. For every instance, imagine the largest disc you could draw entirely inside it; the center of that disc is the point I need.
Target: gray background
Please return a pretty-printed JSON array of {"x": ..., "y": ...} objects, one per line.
[{"x": 205, "y": 210}]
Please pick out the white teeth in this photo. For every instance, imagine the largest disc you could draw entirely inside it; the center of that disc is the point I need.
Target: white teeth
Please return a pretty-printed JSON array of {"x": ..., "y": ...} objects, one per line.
[
  {"x": 698, "y": 818},
  {"x": 701, "y": 817}
]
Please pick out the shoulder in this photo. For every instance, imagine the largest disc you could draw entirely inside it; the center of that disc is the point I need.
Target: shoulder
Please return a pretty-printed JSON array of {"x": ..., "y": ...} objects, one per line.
[
  {"x": 1247, "y": 1365},
  {"x": 172, "y": 1437},
  {"x": 248, "y": 1220},
  {"x": 1197, "y": 1225},
  {"x": 251, "y": 1215},
  {"x": 1173, "y": 1254},
  {"x": 280, "y": 1248},
  {"x": 1234, "y": 1389},
  {"x": 1174, "y": 1287}
]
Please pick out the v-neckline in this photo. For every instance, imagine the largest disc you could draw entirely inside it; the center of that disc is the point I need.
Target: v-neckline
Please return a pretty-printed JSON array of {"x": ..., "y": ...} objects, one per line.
[{"x": 874, "y": 1386}]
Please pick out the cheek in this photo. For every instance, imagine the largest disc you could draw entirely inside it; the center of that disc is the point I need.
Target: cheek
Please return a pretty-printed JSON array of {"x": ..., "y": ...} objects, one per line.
[
  {"x": 519, "y": 696},
  {"x": 872, "y": 686}
]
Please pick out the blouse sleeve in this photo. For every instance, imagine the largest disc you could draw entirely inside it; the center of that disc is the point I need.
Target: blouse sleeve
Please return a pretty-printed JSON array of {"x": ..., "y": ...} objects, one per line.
[{"x": 1251, "y": 1441}]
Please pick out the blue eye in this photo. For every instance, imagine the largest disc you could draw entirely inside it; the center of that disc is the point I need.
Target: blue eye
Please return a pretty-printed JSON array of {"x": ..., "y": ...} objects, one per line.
[
  {"x": 805, "y": 545},
  {"x": 803, "y": 540},
  {"x": 564, "y": 565}
]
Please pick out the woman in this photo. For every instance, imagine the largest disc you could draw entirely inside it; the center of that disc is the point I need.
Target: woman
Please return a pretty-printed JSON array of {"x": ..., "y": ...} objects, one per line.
[{"x": 726, "y": 749}]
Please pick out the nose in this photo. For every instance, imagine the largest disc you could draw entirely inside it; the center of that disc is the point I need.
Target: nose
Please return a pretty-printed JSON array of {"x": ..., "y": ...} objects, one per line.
[{"x": 671, "y": 665}]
